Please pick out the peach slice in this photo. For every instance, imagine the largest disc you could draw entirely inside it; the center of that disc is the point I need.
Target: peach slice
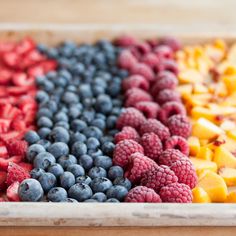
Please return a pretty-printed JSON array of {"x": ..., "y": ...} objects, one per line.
[
  {"x": 229, "y": 175},
  {"x": 190, "y": 76},
  {"x": 231, "y": 197},
  {"x": 205, "y": 153},
  {"x": 201, "y": 165},
  {"x": 200, "y": 196},
  {"x": 224, "y": 158},
  {"x": 194, "y": 145},
  {"x": 230, "y": 82}
]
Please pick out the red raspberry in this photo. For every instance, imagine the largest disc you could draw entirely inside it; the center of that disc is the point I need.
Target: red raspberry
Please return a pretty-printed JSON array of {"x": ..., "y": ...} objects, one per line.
[
  {"x": 185, "y": 172},
  {"x": 167, "y": 64},
  {"x": 177, "y": 142},
  {"x": 150, "y": 59},
  {"x": 171, "y": 42},
  {"x": 125, "y": 41},
  {"x": 158, "y": 177},
  {"x": 152, "y": 145},
  {"x": 142, "y": 194},
  {"x": 167, "y": 95},
  {"x": 177, "y": 193},
  {"x": 143, "y": 47},
  {"x": 130, "y": 117},
  {"x": 138, "y": 166},
  {"x": 155, "y": 126},
  {"x": 135, "y": 81},
  {"x": 16, "y": 147},
  {"x": 135, "y": 95},
  {"x": 127, "y": 132},
  {"x": 126, "y": 60},
  {"x": 123, "y": 150},
  {"x": 165, "y": 74},
  {"x": 152, "y": 42},
  {"x": 149, "y": 109},
  {"x": 144, "y": 70},
  {"x": 179, "y": 125},
  {"x": 169, "y": 156},
  {"x": 169, "y": 109},
  {"x": 163, "y": 51}
]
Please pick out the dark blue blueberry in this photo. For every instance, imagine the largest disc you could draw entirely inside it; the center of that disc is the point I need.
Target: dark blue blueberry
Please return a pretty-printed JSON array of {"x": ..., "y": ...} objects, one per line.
[
  {"x": 100, "y": 116},
  {"x": 116, "y": 111},
  {"x": 95, "y": 153},
  {"x": 117, "y": 102},
  {"x": 56, "y": 169},
  {"x": 108, "y": 148},
  {"x": 113, "y": 200},
  {"x": 47, "y": 181},
  {"x": 119, "y": 192},
  {"x": 100, "y": 81},
  {"x": 30, "y": 190},
  {"x": 114, "y": 172},
  {"x": 41, "y": 97},
  {"x": 42, "y": 47},
  {"x": 36, "y": 173},
  {"x": 114, "y": 89},
  {"x": 71, "y": 200},
  {"x": 71, "y": 88},
  {"x": 63, "y": 124},
  {"x": 113, "y": 132},
  {"x": 103, "y": 104},
  {"x": 100, "y": 184},
  {"x": 51, "y": 75},
  {"x": 33, "y": 151},
  {"x": 67, "y": 180},
  {"x": 100, "y": 197},
  {"x": 78, "y": 149},
  {"x": 92, "y": 143},
  {"x": 74, "y": 137},
  {"x": 84, "y": 179},
  {"x": 60, "y": 81},
  {"x": 85, "y": 91},
  {"x": 40, "y": 79},
  {"x": 45, "y": 143},
  {"x": 86, "y": 161},
  {"x": 93, "y": 131},
  {"x": 98, "y": 90},
  {"x": 57, "y": 194},
  {"x": 66, "y": 74},
  {"x": 70, "y": 97},
  {"x": 74, "y": 112},
  {"x": 87, "y": 115},
  {"x": 52, "y": 53},
  {"x": 80, "y": 192},
  {"x": 96, "y": 172},
  {"x": 100, "y": 123},
  {"x": 44, "y": 132},
  {"x": 111, "y": 122},
  {"x": 78, "y": 125},
  {"x": 66, "y": 161},
  {"x": 105, "y": 139},
  {"x": 44, "y": 122},
  {"x": 88, "y": 102},
  {"x": 78, "y": 69},
  {"x": 42, "y": 112},
  {"x": 123, "y": 182},
  {"x": 31, "y": 137},
  {"x": 47, "y": 86},
  {"x": 60, "y": 116},
  {"x": 76, "y": 170},
  {"x": 51, "y": 105},
  {"x": 59, "y": 149},
  {"x": 91, "y": 200},
  {"x": 103, "y": 161},
  {"x": 43, "y": 160},
  {"x": 59, "y": 134}
]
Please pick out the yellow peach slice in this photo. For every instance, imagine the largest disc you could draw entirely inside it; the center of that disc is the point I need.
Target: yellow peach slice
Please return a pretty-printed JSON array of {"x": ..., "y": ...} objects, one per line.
[
  {"x": 200, "y": 196},
  {"x": 199, "y": 111},
  {"x": 232, "y": 134},
  {"x": 205, "y": 153},
  {"x": 230, "y": 82},
  {"x": 229, "y": 175},
  {"x": 224, "y": 158},
  {"x": 201, "y": 165},
  {"x": 190, "y": 75},
  {"x": 194, "y": 145},
  {"x": 199, "y": 88},
  {"x": 231, "y": 197},
  {"x": 185, "y": 89}
]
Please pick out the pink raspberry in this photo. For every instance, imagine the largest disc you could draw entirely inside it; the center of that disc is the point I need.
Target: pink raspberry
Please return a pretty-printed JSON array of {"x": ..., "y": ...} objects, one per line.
[
  {"x": 125, "y": 41},
  {"x": 153, "y": 42},
  {"x": 149, "y": 109},
  {"x": 126, "y": 60},
  {"x": 138, "y": 165},
  {"x": 167, "y": 64},
  {"x": 169, "y": 109},
  {"x": 167, "y": 95},
  {"x": 142, "y": 194},
  {"x": 152, "y": 145},
  {"x": 163, "y": 51},
  {"x": 130, "y": 117},
  {"x": 150, "y": 59},
  {"x": 135, "y": 81},
  {"x": 169, "y": 156},
  {"x": 155, "y": 126},
  {"x": 165, "y": 74},
  {"x": 143, "y": 47},
  {"x": 158, "y": 177},
  {"x": 179, "y": 143},
  {"x": 136, "y": 95},
  {"x": 127, "y": 132},
  {"x": 144, "y": 70},
  {"x": 177, "y": 193},
  {"x": 185, "y": 172},
  {"x": 123, "y": 151},
  {"x": 179, "y": 125},
  {"x": 171, "y": 42}
]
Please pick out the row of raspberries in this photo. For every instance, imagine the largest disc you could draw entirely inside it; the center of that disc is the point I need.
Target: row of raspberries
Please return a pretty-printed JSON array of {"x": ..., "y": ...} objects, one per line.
[
  {"x": 20, "y": 63},
  {"x": 151, "y": 145}
]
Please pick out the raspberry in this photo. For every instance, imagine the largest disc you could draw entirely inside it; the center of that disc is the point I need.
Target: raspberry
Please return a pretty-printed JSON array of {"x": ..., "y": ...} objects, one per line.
[
  {"x": 171, "y": 42},
  {"x": 155, "y": 126},
  {"x": 177, "y": 142},
  {"x": 123, "y": 150},
  {"x": 127, "y": 132},
  {"x": 185, "y": 172},
  {"x": 144, "y": 70},
  {"x": 16, "y": 147},
  {"x": 169, "y": 156},
  {"x": 176, "y": 192},
  {"x": 130, "y": 117},
  {"x": 143, "y": 47},
  {"x": 167, "y": 95},
  {"x": 165, "y": 74},
  {"x": 152, "y": 145},
  {"x": 163, "y": 51},
  {"x": 126, "y": 60},
  {"x": 135, "y": 95},
  {"x": 169, "y": 109},
  {"x": 167, "y": 64},
  {"x": 150, "y": 59},
  {"x": 138, "y": 166},
  {"x": 142, "y": 194},
  {"x": 125, "y": 41},
  {"x": 179, "y": 125},
  {"x": 158, "y": 177},
  {"x": 149, "y": 109},
  {"x": 135, "y": 81}
]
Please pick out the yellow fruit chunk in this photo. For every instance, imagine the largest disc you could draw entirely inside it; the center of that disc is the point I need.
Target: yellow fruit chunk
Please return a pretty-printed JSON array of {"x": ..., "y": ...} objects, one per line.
[
  {"x": 194, "y": 145},
  {"x": 224, "y": 158},
  {"x": 185, "y": 89},
  {"x": 190, "y": 76},
  {"x": 205, "y": 153},
  {"x": 232, "y": 134},
  {"x": 229, "y": 176},
  {"x": 200, "y": 195},
  {"x": 199, "y": 88},
  {"x": 230, "y": 82},
  {"x": 214, "y": 185},
  {"x": 204, "y": 129},
  {"x": 201, "y": 165},
  {"x": 231, "y": 197},
  {"x": 198, "y": 112}
]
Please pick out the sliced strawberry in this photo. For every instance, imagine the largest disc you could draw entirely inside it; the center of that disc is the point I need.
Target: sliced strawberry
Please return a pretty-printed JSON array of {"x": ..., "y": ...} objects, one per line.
[
  {"x": 34, "y": 71},
  {"x": 11, "y": 135},
  {"x": 5, "y": 162},
  {"x": 2, "y": 199},
  {"x": 9, "y": 112},
  {"x": 6, "y": 47},
  {"x": 48, "y": 65},
  {"x": 25, "y": 46},
  {"x": 30, "y": 117},
  {"x": 18, "y": 125},
  {"x": 5, "y": 76},
  {"x": 31, "y": 59},
  {"x": 3, "y": 152},
  {"x": 14, "y": 90},
  {"x": 21, "y": 79},
  {"x": 27, "y": 166},
  {"x": 3, "y": 92},
  {"x": 4, "y": 125},
  {"x": 11, "y": 59},
  {"x": 12, "y": 192},
  {"x": 16, "y": 147},
  {"x": 3, "y": 177},
  {"x": 8, "y": 100}
]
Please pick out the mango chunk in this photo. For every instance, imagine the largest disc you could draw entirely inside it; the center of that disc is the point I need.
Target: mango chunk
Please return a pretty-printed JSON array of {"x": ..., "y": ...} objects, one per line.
[
  {"x": 229, "y": 176},
  {"x": 194, "y": 145},
  {"x": 190, "y": 76},
  {"x": 231, "y": 197},
  {"x": 230, "y": 82},
  {"x": 224, "y": 158},
  {"x": 200, "y": 196},
  {"x": 201, "y": 165},
  {"x": 214, "y": 185},
  {"x": 185, "y": 89},
  {"x": 198, "y": 112},
  {"x": 199, "y": 88},
  {"x": 232, "y": 134},
  {"x": 205, "y": 153}
]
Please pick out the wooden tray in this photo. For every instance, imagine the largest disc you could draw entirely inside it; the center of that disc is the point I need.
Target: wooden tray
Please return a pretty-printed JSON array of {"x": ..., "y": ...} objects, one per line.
[{"x": 98, "y": 219}]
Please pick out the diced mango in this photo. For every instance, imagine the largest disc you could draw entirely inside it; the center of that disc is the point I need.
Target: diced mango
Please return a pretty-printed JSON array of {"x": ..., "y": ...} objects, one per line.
[
  {"x": 205, "y": 153},
  {"x": 231, "y": 197},
  {"x": 200, "y": 195},
  {"x": 230, "y": 82},
  {"x": 185, "y": 89},
  {"x": 199, "y": 88},
  {"x": 232, "y": 134},
  {"x": 190, "y": 76},
  {"x": 229, "y": 175},
  {"x": 224, "y": 158},
  {"x": 194, "y": 145},
  {"x": 214, "y": 185},
  {"x": 198, "y": 112},
  {"x": 200, "y": 165}
]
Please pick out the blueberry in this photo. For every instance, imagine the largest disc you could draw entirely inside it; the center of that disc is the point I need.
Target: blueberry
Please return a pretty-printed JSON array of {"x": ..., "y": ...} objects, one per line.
[
  {"x": 100, "y": 197},
  {"x": 59, "y": 149},
  {"x": 103, "y": 161},
  {"x": 87, "y": 116},
  {"x": 100, "y": 184},
  {"x": 36, "y": 173},
  {"x": 78, "y": 125},
  {"x": 116, "y": 111},
  {"x": 84, "y": 179},
  {"x": 111, "y": 122},
  {"x": 85, "y": 91},
  {"x": 95, "y": 153},
  {"x": 78, "y": 149},
  {"x": 113, "y": 132},
  {"x": 76, "y": 170},
  {"x": 99, "y": 123},
  {"x": 60, "y": 116},
  {"x": 80, "y": 192},
  {"x": 71, "y": 88},
  {"x": 66, "y": 161},
  {"x": 47, "y": 181},
  {"x": 44, "y": 122},
  {"x": 33, "y": 151},
  {"x": 114, "y": 200},
  {"x": 57, "y": 194},
  {"x": 91, "y": 200},
  {"x": 106, "y": 138},
  {"x": 44, "y": 112},
  {"x": 114, "y": 172},
  {"x": 74, "y": 112},
  {"x": 119, "y": 192},
  {"x": 44, "y": 132},
  {"x": 96, "y": 172},
  {"x": 43, "y": 160},
  {"x": 62, "y": 124},
  {"x": 41, "y": 97},
  {"x": 52, "y": 53},
  {"x": 70, "y": 200},
  {"x": 93, "y": 131},
  {"x": 45, "y": 143},
  {"x": 92, "y": 143},
  {"x": 123, "y": 182},
  {"x": 70, "y": 97},
  {"x": 100, "y": 116},
  {"x": 59, "y": 134},
  {"x": 108, "y": 148},
  {"x": 86, "y": 161},
  {"x": 79, "y": 68},
  {"x": 74, "y": 137},
  {"x": 51, "y": 105},
  {"x": 30, "y": 190},
  {"x": 98, "y": 90},
  {"x": 47, "y": 86},
  {"x": 88, "y": 102},
  {"x": 67, "y": 179},
  {"x": 103, "y": 104},
  {"x": 56, "y": 169}
]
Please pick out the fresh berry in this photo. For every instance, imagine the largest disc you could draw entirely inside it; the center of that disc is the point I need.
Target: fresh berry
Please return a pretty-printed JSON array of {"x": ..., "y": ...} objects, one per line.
[
  {"x": 80, "y": 192},
  {"x": 176, "y": 193},
  {"x": 4, "y": 163},
  {"x": 33, "y": 151},
  {"x": 103, "y": 161},
  {"x": 171, "y": 42},
  {"x": 163, "y": 52},
  {"x": 3, "y": 177},
  {"x": 16, "y": 147},
  {"x": 43, "y": 160},
  {"x": 100, "y": 184},
  {"x": 58, "y": 149},
  {"x": 57, "y": 194},
  {"x": 84, "y": 179},
  {"x": 135, "y": 81},
  {"x": 123, "y": 150},
  {"x": 55, "y": 168},
  {"x": 136, "y": 95},
  {"x": 100, "y": 197},
  {"x": 125, "y": 41},
  {"x": 144, "y": 70},
  {"x": 127, "y": 133},
  {"x": 86, "y": 161},
  {"x": 123, "y": 182},
  {"x": 96, "y": 172},
  {"x": 66, "y": 161},
  {"x": 112, "y": 200},
  {"x": 12, "y": 192},
  {"x": 47, "y": 181},
  {"x": 118, "y": 192},
  {"x": 78, "y": 149},
  {"x": 67, "y": 179},
  {"x": 150, "y": 59},
  {"x": 127, "y": 60},
  {"x": 27, "y": 166},
  {"x": 169, "y": 156},
  {"x": 148, "y": 108},
  {"x": 142, "y": 194},
  {"x": 76, "y": 170},
  {"x": 167, "y": 95},
  {"x": 36, "y": 173},
  {"x": 115, "y": 172}
]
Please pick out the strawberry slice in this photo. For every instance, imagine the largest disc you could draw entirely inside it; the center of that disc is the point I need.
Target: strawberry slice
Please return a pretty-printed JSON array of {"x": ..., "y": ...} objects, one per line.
[
  {"x": 3, "y": 152},
  {"x": 14, "y": 90},
  {"x": 12, "y": 192},
  {"x": 5, "y": 76},
  {"x": 4, "y": 125},
  {"x": 2, "y": 199},
  {"x": 48, "y": 65},
  {"x": 11, "y": 59},
  {"x": 18, "y": 125},
  {"x": 5, "y": 162},
  {"x": 30, "y": 117},
  {"x": 27, "y": 166},
  {"x": 3, "y": 177},
  {"x": 21, "y": 79},
  {"x": 6, "y": 47},
  {"x": 8, "y": 111},
  {"x": 34, "y": 71},
  {"x": 3, "y": 92},
  {"x": 16, "y": 147},
  {"x": 11, "y": 135},
  {"x": 25, "y": 46}
]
